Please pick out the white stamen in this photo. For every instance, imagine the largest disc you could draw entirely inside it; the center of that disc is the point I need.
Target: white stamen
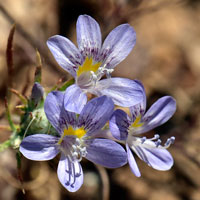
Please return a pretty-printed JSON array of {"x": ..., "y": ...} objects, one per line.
[
  {"x": 169, "y": 142},
  {"x": 154, "y": 142},
  {"x": 103, "y": 70},
  {"x": 143, "y": 140},
  {"x": 73, "y": 148},
  {"x": 156, "y": 136},
  {"x": 75, "y": 154},
  {"x": 93, "y": 77},
  {"x": 158, "y": 142}
]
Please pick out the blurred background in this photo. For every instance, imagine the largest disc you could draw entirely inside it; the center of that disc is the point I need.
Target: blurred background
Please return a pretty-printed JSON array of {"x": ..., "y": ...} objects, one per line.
[{"x": 166, "y": 58}]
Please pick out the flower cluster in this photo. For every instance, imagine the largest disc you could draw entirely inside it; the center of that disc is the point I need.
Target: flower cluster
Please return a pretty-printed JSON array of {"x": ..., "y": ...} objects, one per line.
[{"x": 77, "y": 122}]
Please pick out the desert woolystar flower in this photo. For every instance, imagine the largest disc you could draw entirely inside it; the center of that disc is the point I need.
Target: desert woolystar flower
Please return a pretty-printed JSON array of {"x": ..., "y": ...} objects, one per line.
[
  {"x": 75, "y": 140},
  {"x": 92, "y": 59},
  {"x": 128, "y": 128}
]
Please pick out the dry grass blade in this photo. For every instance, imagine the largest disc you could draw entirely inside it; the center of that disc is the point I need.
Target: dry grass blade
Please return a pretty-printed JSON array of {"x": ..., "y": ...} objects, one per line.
[
  {"x": 9, "y": 55},
  {"x": 38, "y": 70},
  {"x": 21, "y": 97},
  {"x": 105, "y": 181}
]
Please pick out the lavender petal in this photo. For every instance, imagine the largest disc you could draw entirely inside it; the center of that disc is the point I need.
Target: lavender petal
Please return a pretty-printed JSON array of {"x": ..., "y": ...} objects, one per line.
[
  {"x": 119, "y": 124},
  {"x": 106, "y": 153},
  {"x": 52, "y": 107},
  {"x": 75, "y": 99},
  {"x": 160, "y": 112},
  {"x": 65, "y": 53},
  {"x": 39, "y": 147},
  {"x": 124, "y": 92},
  {"x": 96, "y": 113},
  {"x": 157, "y": 158},
  {"x": 132, "y": 162},
  {"x": 140, "y": 108},
  {"x": 88, "y": 36},
  {"x": 118, "y": 44},
  {"x": 70, "y": 174}
]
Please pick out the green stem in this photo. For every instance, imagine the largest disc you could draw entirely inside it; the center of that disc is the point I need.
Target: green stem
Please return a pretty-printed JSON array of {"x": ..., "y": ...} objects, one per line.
[{"x": 12, "y": 126}]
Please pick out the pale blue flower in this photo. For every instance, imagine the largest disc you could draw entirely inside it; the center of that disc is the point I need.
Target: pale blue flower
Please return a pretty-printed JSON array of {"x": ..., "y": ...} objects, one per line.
[
  {"x": 92, "y": 59},
  {"x": 127, "y": 128},
  {"x": 75, "y": 139}
]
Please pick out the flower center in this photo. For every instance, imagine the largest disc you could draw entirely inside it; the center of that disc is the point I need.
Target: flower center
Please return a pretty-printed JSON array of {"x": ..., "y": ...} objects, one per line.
[
  {"x": 137, "y": 123},
  {"x": 79, "y": 133},
  {"x": 88, "y": 66},
  {"x": 71, "y": 143}
]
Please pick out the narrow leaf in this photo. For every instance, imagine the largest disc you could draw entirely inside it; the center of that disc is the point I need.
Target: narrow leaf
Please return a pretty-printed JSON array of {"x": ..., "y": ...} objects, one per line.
[
  {"x": 21, "y": 97},
  {"x": 9, "y": 59},
  {"x": 38, "y": 70}
]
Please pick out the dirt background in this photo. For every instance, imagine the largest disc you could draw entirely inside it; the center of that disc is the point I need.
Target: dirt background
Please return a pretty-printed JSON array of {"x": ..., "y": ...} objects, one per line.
[{"x": 166, "y": 59}]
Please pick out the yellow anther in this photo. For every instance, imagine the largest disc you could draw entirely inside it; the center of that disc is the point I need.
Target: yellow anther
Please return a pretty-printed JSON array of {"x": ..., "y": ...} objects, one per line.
[
  {"x": 88, "y": 66},
  {"x": 70, "y": 131},
  {"x": 137, "y": 123}
]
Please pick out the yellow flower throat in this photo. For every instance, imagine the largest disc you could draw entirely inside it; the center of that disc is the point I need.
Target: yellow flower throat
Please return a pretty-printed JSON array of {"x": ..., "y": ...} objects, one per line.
[
  {"x": 79, "y": 133},
  {"x": 137, "y": 123},
  {"x": 87, "y": 66}
]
